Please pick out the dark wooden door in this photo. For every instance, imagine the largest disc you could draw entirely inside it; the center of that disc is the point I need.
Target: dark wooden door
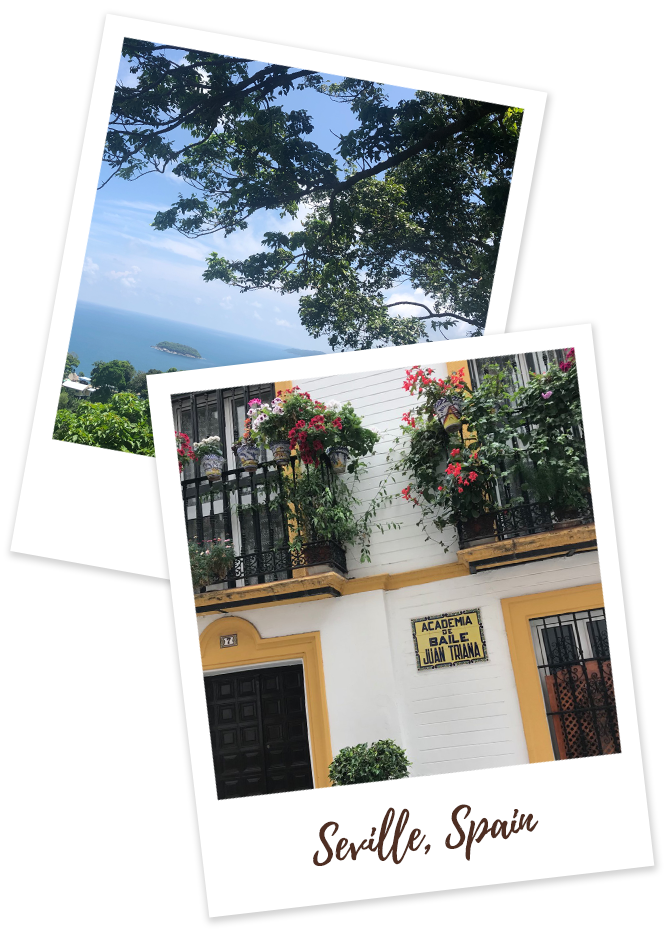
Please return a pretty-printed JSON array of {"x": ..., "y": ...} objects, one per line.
[{"x": 258, "y": 727}]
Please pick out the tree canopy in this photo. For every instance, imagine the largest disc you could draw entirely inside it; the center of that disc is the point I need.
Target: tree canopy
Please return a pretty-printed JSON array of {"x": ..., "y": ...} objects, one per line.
[
  {"x": 71, "y": 363},
  {"x": 122, "y": 424},
  {"x": 111, "y": 377},
  {"x": 414, "y": 195}
]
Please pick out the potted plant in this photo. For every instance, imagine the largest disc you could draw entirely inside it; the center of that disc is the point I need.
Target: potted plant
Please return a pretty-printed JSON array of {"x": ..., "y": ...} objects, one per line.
[
  {"x": 314, "y": 429},
  {"x": 443, "y": 399},
  {"x": 184, "y": 450},
  {"x": 451, "y": 482},
  {"x": 210, "y": 562},
  {"x": 209, "y": 453},
  {"x": 376, "y": 762}
]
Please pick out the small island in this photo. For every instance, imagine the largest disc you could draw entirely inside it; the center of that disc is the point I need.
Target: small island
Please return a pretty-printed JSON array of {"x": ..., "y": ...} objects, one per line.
[{"x": 181, "y": 350}]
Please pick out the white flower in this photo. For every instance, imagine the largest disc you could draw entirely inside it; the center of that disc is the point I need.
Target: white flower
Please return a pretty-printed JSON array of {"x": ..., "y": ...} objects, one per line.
[{"x": 334, "y": 404}]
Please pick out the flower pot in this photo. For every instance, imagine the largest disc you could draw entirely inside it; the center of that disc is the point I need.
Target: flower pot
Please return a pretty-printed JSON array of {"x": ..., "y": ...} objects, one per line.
[
  {"x": 281, "y": 451},
  {"x": 479, "y": 531},
  {"x": 448, "y": 411},
  {"x": 249, "y": 456},
  {"x": 338, "y": 456},
  {"x": 211, "y": 466}
]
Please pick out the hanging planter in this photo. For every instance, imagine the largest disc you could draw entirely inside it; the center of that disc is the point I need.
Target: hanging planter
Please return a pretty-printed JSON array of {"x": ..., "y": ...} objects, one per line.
[
  {"x": 211, "y": 465},
  {"x": 448, "y": 411},
  {"x": 281, "y": 452},
  {"x": 339, "y": 457},
  {"x": 249, "y": 456}
]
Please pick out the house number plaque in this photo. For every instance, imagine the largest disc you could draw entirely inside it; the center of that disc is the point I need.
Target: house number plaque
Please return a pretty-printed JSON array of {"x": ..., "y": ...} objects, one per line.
[
  {"x": 449, "y": 639},
  {"x": 227, "y": 642}
]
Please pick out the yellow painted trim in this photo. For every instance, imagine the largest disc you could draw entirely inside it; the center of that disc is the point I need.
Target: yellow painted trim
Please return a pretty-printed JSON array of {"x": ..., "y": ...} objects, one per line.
[
  {"x": 283, "y": 385},
  {"x": 163, "y": 663},
  {"x": 457, "y": 365},
  {"x": 344, "y": 587},
  {"x": 644, "y": 589},
  {"x": 513, "y": 547},
  {"x": 518, "y": 611},
  {"x": 251, "y": 649}
]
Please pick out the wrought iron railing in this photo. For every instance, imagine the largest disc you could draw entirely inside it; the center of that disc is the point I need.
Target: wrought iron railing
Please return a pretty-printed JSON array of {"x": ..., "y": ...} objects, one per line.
[
  {"x": 515, "y": 509},
  {"x": 255, "y": 513}
]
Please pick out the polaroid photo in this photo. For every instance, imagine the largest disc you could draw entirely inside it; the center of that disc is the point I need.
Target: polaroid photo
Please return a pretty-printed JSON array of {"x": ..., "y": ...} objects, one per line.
[
  {"x": 240, "y": 201},
  {"x": 399, "y": 619}
]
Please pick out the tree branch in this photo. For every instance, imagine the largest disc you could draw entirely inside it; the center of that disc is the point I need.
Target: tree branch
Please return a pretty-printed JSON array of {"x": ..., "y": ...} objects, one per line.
[{"x": 432, "y": 315}]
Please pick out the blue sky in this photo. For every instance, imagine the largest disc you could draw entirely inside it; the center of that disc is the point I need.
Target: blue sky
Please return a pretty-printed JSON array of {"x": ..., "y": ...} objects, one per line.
[{"x": 132, "y": 266}]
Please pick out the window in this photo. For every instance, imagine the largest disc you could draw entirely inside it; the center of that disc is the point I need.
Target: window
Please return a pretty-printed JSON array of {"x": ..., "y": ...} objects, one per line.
[{"x": 572, "y": 654}]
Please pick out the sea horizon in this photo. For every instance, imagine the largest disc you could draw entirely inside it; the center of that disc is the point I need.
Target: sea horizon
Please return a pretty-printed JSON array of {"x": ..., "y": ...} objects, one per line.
[{"x": 102, "y": 332}]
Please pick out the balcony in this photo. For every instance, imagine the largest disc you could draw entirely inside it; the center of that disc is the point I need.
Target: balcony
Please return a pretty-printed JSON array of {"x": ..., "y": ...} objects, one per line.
[{"x": 254, "y": 512}]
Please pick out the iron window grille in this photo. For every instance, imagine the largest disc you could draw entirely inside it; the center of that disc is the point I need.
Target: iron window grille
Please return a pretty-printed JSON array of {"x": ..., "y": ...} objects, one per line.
[
  {"x": 573, "y": 660},
  {"x": 247, "y": 509}
]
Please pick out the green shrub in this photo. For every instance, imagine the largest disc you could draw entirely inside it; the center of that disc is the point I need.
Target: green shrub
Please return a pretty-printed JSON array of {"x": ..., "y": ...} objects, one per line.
[{"x": 377, "y": 762}]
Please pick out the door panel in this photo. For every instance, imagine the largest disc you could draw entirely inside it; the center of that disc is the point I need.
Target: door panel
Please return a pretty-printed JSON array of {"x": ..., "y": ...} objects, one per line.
[{"x": 258, "y": 728}]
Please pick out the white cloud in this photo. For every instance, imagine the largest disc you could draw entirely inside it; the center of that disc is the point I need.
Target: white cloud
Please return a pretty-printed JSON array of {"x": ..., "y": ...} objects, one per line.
[
  {"x": 113, "y": 274},
  {"x": 129, "y": 282},
  {"x": 198, "y": 301},
  {"x": 181, "y": 247},
  {"x": 283, "y": 323},
  {"x": 256, "y": 315},
  {"x": 91, "y": 269}
]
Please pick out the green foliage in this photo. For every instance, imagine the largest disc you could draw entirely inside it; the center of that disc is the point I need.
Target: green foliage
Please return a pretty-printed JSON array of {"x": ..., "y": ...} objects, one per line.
[
  {"x": 138, "y": 383},
  {"x": 22, "y": 319},
  {"x": 311, "y": 426},
  {"x": 210, "y": 564},
  {"x": 111, "y": 377},
  {"x": 528, "y": 437},
  {"x": 72, "y": 361},
  {"x": 122, "y": 424},
  {"x": 556, "y": 470},
  {"x": 377, "y": 762},
  {"x": 415, "y": 193},
  {"x": 178, "y": 348}
]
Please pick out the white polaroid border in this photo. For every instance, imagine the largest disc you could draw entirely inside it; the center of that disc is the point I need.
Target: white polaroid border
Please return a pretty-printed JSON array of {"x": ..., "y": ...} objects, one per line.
[
  {"x": 105, "y": 495},
  {"x": 257, "y": 852}
]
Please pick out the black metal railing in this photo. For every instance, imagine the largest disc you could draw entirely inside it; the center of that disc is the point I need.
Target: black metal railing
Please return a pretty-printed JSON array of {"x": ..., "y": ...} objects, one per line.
[
  {"x": 255, "y": 512},
  {"x": 517, "y": 508},
  {"x": 564, "y": 309}
]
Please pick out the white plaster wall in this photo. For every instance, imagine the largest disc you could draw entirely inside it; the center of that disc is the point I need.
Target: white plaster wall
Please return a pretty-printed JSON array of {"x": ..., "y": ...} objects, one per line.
[
  {"x": 448, "y": 719},
  {"x": 358, "y": 672},
  {"x": 468, "y": 717},
  {"x": 380, "y": 400}
]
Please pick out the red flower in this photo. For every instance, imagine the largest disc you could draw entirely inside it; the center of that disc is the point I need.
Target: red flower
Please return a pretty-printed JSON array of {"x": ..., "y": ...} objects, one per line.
[{"x": 472, "y": 475}]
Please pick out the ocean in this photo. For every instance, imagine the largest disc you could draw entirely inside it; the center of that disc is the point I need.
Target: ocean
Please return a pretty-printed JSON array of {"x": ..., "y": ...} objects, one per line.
[{"x": 101, "y": 333}]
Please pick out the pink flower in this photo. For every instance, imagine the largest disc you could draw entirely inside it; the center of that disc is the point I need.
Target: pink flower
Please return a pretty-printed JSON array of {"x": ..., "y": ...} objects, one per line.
[{"x": 547, "y": 395}]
